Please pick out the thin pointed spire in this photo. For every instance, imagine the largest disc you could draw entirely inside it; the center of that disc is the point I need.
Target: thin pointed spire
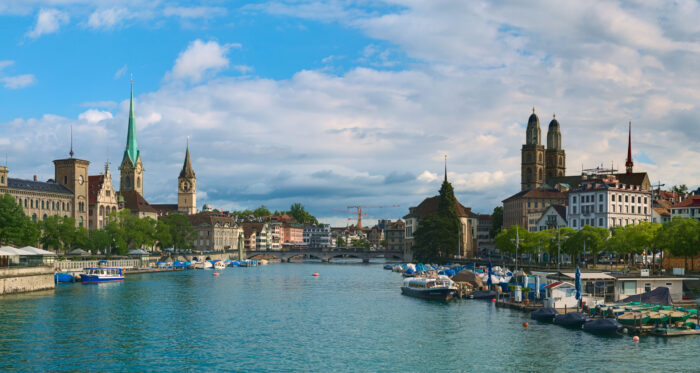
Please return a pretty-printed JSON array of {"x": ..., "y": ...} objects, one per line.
[
  {"x": 629, "y": 164},
  {"x": 71, "y": 141},
  {"x": 445, "y": 167},
  {"x": 187, "y": 170},
  {"x": 132, "y": 146}
]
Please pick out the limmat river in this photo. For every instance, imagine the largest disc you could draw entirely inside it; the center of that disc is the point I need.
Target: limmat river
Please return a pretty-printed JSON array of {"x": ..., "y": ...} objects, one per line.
[{"x": 280, "y": 318}]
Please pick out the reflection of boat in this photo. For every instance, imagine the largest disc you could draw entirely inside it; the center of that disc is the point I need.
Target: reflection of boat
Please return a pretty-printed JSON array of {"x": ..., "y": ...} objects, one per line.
[
  {"x": 602, "y": 326},
  {"x": 98, "y": 275},
  {"x": 63, "y": 277},
  {"x": 263, "y": 262},
  {"x": 248, "y": 263},
  {"x": 439, "y": 288},
  {"x": 219, "y": 265}
]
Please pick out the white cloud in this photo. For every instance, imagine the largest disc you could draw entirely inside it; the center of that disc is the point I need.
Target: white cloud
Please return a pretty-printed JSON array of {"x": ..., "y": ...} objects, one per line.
[
  {"x": 120, "y": 72},
  {"x": 18, "y": 81},
  {"x": 48, "y": 21},
  {"x": 107, "y": 18},
  {"x": 194, "y": 12},
  {"x": 428, "y": 176},
  {"x": 94, "y": 116},
  {"x": 201, "y": 59}
]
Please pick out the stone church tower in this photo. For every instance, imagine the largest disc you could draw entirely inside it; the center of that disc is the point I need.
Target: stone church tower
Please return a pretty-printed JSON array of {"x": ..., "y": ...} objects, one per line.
[
  {"x": 532, "y": 165},
  {"x": 554, "y": 155},
  {"x": 72, "y": 173},
  {"x": 131, "y": 167},
  {"x": 187, "y": 187}
]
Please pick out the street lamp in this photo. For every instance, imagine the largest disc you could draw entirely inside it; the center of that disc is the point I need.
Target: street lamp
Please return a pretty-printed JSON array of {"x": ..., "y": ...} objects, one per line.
[{"x": 517, "y": 244}]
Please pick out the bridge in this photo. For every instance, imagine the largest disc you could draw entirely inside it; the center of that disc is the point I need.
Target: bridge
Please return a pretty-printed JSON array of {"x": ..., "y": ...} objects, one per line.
[{"x": 326, "y": 255}]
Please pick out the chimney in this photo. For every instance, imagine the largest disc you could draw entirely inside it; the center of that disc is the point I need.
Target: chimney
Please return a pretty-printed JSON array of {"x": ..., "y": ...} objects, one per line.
[{"x": 34, "y": 177}]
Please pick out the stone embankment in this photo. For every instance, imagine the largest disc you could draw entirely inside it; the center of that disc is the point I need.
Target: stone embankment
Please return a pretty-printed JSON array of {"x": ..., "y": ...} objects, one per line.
[{"x": 20, "y": 280}]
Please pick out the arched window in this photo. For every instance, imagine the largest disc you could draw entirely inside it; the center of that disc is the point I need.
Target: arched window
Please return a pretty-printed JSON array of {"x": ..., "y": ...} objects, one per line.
[
  {"x": 25, "y": 203},
  {"x": 44, "y": 218},
  {"x": 31, "y": 203},
  {"x": 540, "y": 175},
  {"x": 42, "y": 204},
  {"x": 539, "y": 157},
  {"x": 529, "y": 174},
  {"x": 80, "y": 221},
  {"x": 138, "y": 182},
  {"x": 64, "y": 206},
  {"x": 2, "y": 179},
  {"x": 127, "y": 182},
  {"x": 102, "y": 211},
  {"x": 34, "y": 218}
]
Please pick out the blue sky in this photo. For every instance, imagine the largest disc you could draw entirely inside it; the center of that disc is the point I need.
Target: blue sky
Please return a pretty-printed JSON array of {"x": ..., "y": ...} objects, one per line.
[{"x": 339, "y": 102}]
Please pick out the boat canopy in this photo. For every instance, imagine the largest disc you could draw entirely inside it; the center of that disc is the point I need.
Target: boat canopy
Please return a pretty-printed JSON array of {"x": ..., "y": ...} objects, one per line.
[{"x": 661, "y": 295}]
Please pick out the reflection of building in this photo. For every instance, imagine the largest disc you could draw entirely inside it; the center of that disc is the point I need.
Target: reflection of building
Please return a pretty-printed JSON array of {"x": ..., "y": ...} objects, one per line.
[
  {"x": 214, "y": 232},
  {"x": 102, "y": 199}
]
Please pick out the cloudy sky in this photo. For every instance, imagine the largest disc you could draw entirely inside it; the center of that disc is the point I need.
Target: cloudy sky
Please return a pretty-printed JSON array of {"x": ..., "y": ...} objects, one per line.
[{"x": 336, "y": 103}]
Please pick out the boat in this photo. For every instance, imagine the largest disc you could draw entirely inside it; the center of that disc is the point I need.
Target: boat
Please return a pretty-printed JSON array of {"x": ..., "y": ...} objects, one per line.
[
  {"x": 602, "y": 326},
  {"x": 387, "y": 266},
  {"x": 60, "y": 277},
  {"x": 658, "y": 317},
  {"x": 482, "y": 294},
  {"x": 675, "y": 315},
  {"x": 248, "y": 263},
  {"x": 263, "y": 262},
  {"x": 633, "y": 318},
  {"x": 437, "y": 288},
  {"x": 207, "y": 265},
  {"x": 409, "y": 273},
  {"x": 571, "y": 319},
  {"x": 98, "y": 275},
  {"x": 219, "y": 265},
  {"x": 545, "y": 314}
]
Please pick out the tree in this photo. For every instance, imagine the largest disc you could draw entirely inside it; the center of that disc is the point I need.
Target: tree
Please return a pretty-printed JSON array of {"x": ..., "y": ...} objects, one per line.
[
  {"x": 51, "y": 233},
  {"x": 99, "y": 240},
  {"x": 261, "y": 211},
  {"x": 182, "y": 233},
  {"x": 681, "y": 189},
  {"x": 164, "y": 237},
  {"x": 299, "y": 213},
  {"x": 505, "y": 240},
  {"x": 382, "y": 243},
  {"x": 15, "y": 227},
  {"x": 592, "y": 239},
  {"x": 360, "y": 242},
  {"x": 496, "y": 221},
  {"x": 437, "y": 236},
  {"x": 681, "y": 237},
  {"x": 340, "y": 242}
]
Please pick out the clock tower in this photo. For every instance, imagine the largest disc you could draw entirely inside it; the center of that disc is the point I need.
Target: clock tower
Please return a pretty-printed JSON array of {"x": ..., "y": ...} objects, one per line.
[{"x": 187, "y": 187}]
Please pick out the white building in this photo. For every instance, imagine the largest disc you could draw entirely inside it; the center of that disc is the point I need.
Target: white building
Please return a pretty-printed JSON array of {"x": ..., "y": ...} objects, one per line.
[
  {"x": 553, "y": 217},
  {"x": 317, "y": 237},
  {"x": 602, "y": 201},
  {"x": 688, "y": 208}
]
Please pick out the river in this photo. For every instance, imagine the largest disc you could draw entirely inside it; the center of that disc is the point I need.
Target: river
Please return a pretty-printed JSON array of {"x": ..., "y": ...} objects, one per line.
[{"x": 280, "y": 318}]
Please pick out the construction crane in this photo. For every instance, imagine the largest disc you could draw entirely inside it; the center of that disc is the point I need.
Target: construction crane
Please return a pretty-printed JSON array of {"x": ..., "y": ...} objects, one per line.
[{"x": 359, "y": 212}]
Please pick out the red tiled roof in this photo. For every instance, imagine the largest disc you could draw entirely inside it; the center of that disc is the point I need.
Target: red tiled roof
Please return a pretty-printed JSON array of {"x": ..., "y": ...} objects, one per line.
[
  {"x": 135, "y": 202},
  {"x": 539, "y": 194},
  {"x": 429, "y": 206},
  {"x": 689, "y": 201},
  {"x": 208, "y": 218},
  {"x": 553, "y": 285}
]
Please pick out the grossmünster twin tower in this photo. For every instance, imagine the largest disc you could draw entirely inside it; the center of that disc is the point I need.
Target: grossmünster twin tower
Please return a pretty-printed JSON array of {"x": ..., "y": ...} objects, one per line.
[{"x": 539, "y": 165}]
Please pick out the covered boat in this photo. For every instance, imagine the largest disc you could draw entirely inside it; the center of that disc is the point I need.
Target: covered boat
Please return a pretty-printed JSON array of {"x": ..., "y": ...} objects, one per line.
[
  {"x": 545, "y": 314},
  {"x": 438, "y": 288},
  {"x": 63, "y": 277},
  {"x": 571, "y": 320},
  {"x": 634, "y": 318},
  {"x": 661, "y": 296},
  {"x": 100, "y": 275},
  {"x": 602, "y": 326},
  {"x": 482, "y": 294}
]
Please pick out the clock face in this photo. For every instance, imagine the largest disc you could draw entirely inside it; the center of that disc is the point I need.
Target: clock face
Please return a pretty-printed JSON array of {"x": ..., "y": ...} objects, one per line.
[
  {"x": 81, "y": 180},
  {"x": 185, "y": 186}
]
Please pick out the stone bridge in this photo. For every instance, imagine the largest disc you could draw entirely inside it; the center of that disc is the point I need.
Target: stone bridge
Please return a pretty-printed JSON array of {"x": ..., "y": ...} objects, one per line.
[{"x": 326, "y": 255}]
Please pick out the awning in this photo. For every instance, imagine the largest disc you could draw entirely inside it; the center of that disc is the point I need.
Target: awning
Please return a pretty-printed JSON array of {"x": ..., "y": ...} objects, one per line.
[{"x": 37, "y": 251}]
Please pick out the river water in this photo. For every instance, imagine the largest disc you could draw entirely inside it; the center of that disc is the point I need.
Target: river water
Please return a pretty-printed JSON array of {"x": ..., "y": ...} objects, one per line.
[{"x": 280, "y": 318}]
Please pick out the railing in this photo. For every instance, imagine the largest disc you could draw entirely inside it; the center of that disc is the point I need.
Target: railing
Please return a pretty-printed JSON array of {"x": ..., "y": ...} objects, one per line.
[{"x": 79, "y": 265}]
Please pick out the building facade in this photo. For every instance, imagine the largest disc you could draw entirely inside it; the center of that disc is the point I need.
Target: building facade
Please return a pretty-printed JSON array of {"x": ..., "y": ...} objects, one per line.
[
  {"x": 38, "y": 199},
  {"x": 540, "y": 166},
  {"x": 102, "y": 199},
  {"x": 317, "y": 237},
  {"x": 395, "y": 234},
  {"x": 688, "y": 208},
  {"x": 484, "y": 242},
  {"x": 526, "y": 207},
  {"x": 554, "y": 217},
  {"x": 603, "y": 201},
  {"x": 215, "y": 232}
]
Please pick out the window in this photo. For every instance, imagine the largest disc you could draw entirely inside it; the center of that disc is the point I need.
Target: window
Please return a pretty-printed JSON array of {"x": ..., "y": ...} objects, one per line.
[
  {"x": 600, "y": 198},
  {"x": 535, "y": 204},
  {"x": 44, "y": 218},
  {"x": 645, "y": 210},
  {"x": 138, "y": 182},
  {"x": 25, "y": 203},
  {"x": 65, "y": 180},
  {"x": 573, "y": 223},
  {"x": 633, "y": 209},
  {"x": 31, "y": 203},
  {"x": 613, "y": 208},
  {"x": 645, "y": 200},
  {"x": 612, "y": 197},
  {"x": 626, "y": 198},
  {"x": 639, "y": 199},
  {"x": 629, "y": 287},
  {"x": 574, "y": 209},
  {"x": 647, "y": 287},
  {"x": 34, "y": 218},
  {"x": 574, "y": 199},
  {"x": 600, "y": 222}
]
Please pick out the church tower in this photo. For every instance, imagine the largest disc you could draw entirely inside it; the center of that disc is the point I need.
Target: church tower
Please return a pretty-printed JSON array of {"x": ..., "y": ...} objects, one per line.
[
  {"x": 72, "y": 173},
  {"x": 187, "y": 187},
  {"x": 554, "y": 155},
  {"x": 532, "y": 165},
  {"x": 131, "y": 167},
  {"x": 629, "y": 164}
]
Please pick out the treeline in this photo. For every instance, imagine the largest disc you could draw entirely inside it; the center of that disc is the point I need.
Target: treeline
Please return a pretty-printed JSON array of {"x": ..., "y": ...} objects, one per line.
[
  {"x": 679, "y": 237},
  {"x": 296, "y": 210},
  {"x": 123, "y": 231}
]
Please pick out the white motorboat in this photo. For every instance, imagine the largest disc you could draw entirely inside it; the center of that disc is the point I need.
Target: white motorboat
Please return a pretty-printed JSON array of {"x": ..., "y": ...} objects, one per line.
[{"x": 438, "y": 288}]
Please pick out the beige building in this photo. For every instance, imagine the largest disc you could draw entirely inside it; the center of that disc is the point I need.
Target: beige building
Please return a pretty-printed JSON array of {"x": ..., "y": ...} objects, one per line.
[
  {"x": 102, "y": 199},
  {"x": 215, "y": 232},
  {"x": 539, "y": 166},
  {"x": 187, "y": 187},
  {"x": 395, "y": 234},
  {"x": 526, "y": 207}
]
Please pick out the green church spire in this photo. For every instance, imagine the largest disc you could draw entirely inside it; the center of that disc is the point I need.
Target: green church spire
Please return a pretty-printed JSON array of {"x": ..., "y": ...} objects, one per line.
[{"x": 132, "y": 146}]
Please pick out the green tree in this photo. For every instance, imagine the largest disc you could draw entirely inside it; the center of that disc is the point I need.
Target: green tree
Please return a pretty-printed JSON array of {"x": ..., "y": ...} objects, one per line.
[
  {"x": 437, "y": 236},
  {"x": 261, "y": 212},
  {"x": 340, "y": 242},
  {"x": 164, "y": 237},
  {"x": 496, "y": 221},
  {"x": 51, "y": 233},
  {"x": 506, "y": 239},
  {"x": 680, "y": 189},
  {"x": 182, "y": 233},
  {"x": 68, "y": 234},
  {"x": 591, "y": 239},
  {"x": 299, "y": 213},
  {"x": 99, "y": 241},
  {"x": 680, "y": 237},
  {"x": 382, "y": 243},
  {"x": 15, "y": 227},
  {"x": 360, "y": 242}
]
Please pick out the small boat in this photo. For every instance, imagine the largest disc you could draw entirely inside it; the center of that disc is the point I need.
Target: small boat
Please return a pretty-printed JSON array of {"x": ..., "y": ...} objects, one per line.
[
  {"x": 248, "y": 263},
  {"x": 571, "y": 320},
  {"x": 545, "y": 314},
  {"x": 387, "y": 266},
  {"x": 675, "y": 315},
  {"x": 263, "y": 262},
  {"x": 482, "y": 294},
  {"x": 632, "y": 318},
  {"x": 438, "y": 288},
  {"x": 62, "y": 277},
  {"x": 99, "y": 275},
  {"x": 207, "y": 265},
  {"x": 602, "y": 326},
  {"x": 219, "y": 265},
  {"x": 658, "y": 317},
  {"x": 409, "y": 273}
]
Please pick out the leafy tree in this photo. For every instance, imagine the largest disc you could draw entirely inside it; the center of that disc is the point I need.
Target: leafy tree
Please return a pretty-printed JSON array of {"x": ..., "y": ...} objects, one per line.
[
  {"x": 496, "y": 221},
  {"x": 340, "y": 242},
  {"x": 261, "y": 211},
  {"x": 360, "y": 242},
  {"x": 164, "y": 238},
  {"x": 68, "y": 233},
  {"x": 680, "y": 189},
  {"x": 15, "y": 227},
  {"x": 51, "y": 233},
  {"x": 99, "y": 240},
  {"x": 592, "y": 239},
  {"x": 505, "y": 240},
  {"x": 299, "y": 213},
  {"x": 437, "y": 236},
  {"x": 181, "y": 231},
  {"x": 382, "y": 243},
  {"x": 681, "y": 237}
]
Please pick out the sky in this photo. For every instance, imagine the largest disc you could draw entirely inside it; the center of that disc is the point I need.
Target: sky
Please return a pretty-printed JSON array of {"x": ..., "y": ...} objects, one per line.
[{"x": 338, "y": 103}]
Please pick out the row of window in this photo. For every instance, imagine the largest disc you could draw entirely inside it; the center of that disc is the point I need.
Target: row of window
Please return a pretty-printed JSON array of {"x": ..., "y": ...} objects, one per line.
[
  {"x": 586, "y": 198},
  {"x": 628, "y": 209},
  {"x": 44, "y": 205},
  {"x": 80, "y": 219},
  {"x": 601, "y": 222}
]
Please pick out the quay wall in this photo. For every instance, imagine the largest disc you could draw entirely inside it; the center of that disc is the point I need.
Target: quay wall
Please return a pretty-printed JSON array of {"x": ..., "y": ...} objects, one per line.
[{"x": 21, "y": 280}]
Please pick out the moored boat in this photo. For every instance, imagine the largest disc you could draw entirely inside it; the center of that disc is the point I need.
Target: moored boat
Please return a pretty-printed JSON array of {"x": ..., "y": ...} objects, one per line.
[
  {"x": 219, "y": 265},
  {"x": 571, "y": 320},
  {"x": 675, "y": 315},
  {"x": 438, "y": 288},
  {"x": 602, "y": 326},
  {"x": 99, "y": 275},
  {"x": 545, "y": 314},
  {"x": 207, "y": 265},
  {"x": 632, "y": 318},
  {"x": 658, "y": 317},
  {"x": 60, "y": 277}
]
